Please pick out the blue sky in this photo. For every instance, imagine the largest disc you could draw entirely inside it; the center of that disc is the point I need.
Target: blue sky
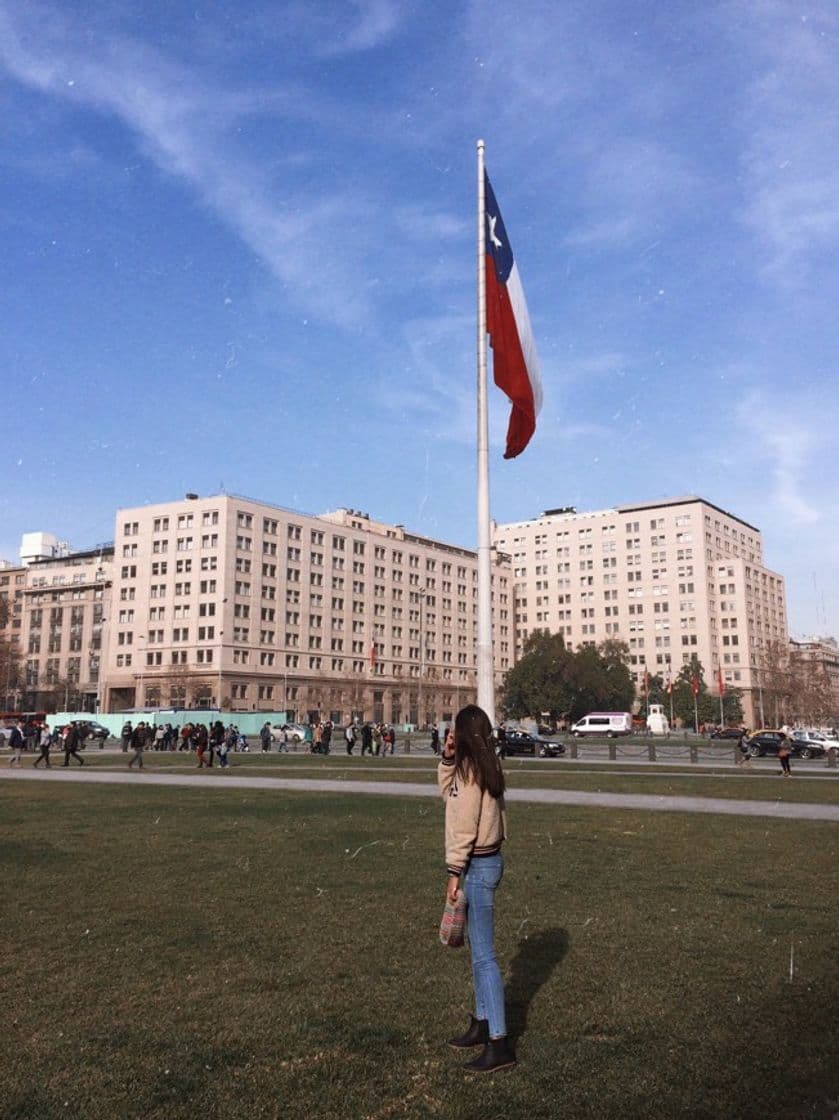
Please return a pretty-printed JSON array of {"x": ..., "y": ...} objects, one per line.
[{"x": 238, "y": 253}]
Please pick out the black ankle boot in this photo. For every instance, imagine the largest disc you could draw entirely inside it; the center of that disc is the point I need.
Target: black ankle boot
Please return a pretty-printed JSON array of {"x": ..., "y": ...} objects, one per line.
[
  {"x": 477, "y": 1035},
  {"x": 497, "y": 1054}
]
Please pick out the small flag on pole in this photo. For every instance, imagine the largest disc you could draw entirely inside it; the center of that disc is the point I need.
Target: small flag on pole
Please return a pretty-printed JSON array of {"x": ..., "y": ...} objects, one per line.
[
  {"x": 515, "y": 365},
  {"x": 720, "y": 682},
  {"x": 694, "y": 684}
]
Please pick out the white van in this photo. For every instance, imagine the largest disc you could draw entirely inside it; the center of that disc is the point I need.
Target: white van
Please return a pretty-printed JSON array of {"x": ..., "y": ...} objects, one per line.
[{"x": 610, "y": 724}]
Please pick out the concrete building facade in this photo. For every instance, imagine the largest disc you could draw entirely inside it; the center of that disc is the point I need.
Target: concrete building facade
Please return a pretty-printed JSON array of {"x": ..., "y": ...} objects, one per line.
[
  {"x": 57, "y": 620},
  {"x": 670, "y": 579},
  {"x": 227, "y": 599}
]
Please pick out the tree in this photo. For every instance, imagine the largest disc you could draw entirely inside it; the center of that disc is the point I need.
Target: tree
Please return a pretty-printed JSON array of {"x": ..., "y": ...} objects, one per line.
[
  {"x": 550, "y": 678},
  {"x": 707, "y": 703},
  {"x": 11, "y": 671},
  {"x": 538, "y": 682}
]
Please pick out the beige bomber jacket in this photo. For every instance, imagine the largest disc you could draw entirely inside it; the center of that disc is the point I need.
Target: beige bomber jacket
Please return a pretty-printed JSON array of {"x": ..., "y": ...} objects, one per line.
[{"x": 476, "y": 822}]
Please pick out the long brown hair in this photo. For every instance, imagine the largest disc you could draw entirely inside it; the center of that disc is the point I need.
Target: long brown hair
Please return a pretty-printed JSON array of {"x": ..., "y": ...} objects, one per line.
[{"x": 474, "y": 751}]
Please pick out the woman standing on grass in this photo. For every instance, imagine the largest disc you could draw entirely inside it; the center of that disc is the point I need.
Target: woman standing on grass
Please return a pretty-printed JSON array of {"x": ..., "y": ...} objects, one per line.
[{"x": 471, "y": 782}]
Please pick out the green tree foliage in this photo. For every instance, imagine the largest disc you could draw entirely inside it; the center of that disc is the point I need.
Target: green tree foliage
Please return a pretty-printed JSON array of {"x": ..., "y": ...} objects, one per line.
[
  {"x": 707, "y": 701},
  {"x": 549, "y": 678}
]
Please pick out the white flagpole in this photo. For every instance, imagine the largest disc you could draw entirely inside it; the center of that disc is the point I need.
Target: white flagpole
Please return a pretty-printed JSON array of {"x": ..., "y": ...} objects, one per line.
[{"x": 486, "y": 677}]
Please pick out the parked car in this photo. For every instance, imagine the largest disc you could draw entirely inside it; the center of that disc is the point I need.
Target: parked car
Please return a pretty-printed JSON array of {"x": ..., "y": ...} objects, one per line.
[
  {"x": 765, "y": 741},
  {"x": 91, "y": 729},
  {"x": 5, "y": 733},
  {"x": 809, "y": 744},
  {"x": 522, "y": 742},
  {"x": 295, "y": 732},
  {"x": 727, "y": 733}
]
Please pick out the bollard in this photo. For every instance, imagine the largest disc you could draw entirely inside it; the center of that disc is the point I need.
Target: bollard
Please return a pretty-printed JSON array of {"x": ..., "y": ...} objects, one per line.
[
  {"x": 575, "y": 749},
  {"x": 613, "y": 752},
  {"x": 831, "y": 758},
  {"x": 651, "y": 752},
  {"x": 694, "y": 752}
]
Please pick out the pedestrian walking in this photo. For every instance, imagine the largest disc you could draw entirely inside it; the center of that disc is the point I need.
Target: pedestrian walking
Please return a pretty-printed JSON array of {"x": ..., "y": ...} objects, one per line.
[
  {"x": 30, "y": 735},
  {"x": 44, "y": 744},
  {"x": 308, "y": 737},
  {"x": 744, "y": 758},
  {"x": 231, "y": 739},
  {"x": 125, "y": 735},
  {"x": 265, "y": 737},
  {"x": 200, "y": 738},
  {"x": 784, "y": 752},
  {"x": 326, "y": 736},
  {"x": 435, "y": 741},
  {"x": 282, "y": 742},
  {"x": 72, "y": 742},
  {"x": 366, "y": 739},
  {"x": 471, "y": 782},
  {"x": 16, "y": 742},
  {"x": 349, "y": 737},
  {"x": 216, "y": 741},
  {"x": 138, "y": 744}
]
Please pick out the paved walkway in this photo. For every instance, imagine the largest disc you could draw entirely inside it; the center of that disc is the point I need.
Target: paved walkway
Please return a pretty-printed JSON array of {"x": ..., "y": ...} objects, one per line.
[{"x": 648, "y": 802}]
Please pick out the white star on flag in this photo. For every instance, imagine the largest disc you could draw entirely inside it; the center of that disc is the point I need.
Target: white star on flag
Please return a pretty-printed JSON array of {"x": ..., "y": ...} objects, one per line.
[{"x": 492, "y": 235}]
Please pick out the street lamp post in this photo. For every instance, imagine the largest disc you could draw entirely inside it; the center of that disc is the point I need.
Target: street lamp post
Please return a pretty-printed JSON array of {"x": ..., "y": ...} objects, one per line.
[
  {"x": 101, "y": 581},
  {"x": 422, "y": 593},
  {"x": 670, "y": 687},
  {"x": 759, "y": 678},
  {"x": 141, "y": 654}
]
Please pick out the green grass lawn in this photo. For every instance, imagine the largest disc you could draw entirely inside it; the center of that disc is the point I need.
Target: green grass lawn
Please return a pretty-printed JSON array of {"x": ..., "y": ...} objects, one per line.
[{"x": 181, "y": 953}]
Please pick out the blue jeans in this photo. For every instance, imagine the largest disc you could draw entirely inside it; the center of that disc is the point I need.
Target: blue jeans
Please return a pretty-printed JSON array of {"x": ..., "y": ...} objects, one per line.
[{"x": 479, "y": 884}]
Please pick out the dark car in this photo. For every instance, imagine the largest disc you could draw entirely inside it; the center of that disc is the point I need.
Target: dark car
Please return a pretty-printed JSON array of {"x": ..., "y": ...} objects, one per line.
[
  {"x": 522, "y": 742},
  {"x": 727, "y": 733},
  {"x": 809, "y": 744},
  {"x": 90, "y": 729},
  {"x": 764, "y": 742}
]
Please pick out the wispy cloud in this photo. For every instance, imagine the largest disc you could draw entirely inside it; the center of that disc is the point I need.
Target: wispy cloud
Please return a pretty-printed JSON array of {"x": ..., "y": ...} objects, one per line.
[
  {"x": 376, "y": 22},
  {"x": 787, "y": 436},
  {"x": 791, "y": 157},
  {"x": 314, "y": 247}
]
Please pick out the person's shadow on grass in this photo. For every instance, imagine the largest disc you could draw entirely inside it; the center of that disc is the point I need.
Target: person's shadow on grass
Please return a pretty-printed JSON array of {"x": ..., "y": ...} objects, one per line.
[{"x": 531, "y": 967}]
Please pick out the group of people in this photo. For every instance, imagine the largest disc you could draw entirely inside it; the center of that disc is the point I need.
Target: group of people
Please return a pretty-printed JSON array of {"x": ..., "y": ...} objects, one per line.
[
  {"x": 209, "y": 743},
  {"x": 377, "y": 739},
  {"x": 31, "y": 736}
]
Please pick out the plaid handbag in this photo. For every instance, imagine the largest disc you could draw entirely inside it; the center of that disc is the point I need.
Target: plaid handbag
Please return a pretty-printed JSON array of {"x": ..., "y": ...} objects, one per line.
[{"x": 453, "y": 923}]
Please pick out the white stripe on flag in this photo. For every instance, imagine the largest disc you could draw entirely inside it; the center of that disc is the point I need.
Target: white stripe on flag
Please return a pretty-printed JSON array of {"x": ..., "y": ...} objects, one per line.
[{"x": 528, "y": 344}]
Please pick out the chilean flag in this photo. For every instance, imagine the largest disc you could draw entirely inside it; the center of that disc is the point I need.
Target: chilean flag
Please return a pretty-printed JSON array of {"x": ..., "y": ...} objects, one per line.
[{"x": 515, "y": 363}]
